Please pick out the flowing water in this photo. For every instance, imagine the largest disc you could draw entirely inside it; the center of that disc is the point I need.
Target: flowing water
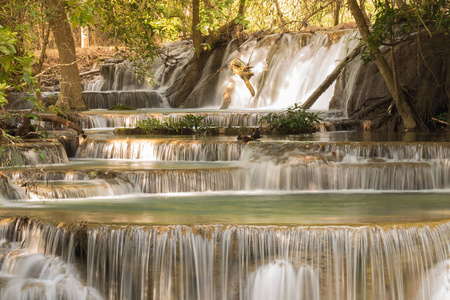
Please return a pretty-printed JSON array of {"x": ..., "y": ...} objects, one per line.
[{"x": 329, "y": 215}]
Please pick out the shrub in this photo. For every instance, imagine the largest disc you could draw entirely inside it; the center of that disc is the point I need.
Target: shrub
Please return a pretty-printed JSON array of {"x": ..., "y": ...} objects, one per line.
[
  {"x": 187, "y": 125},
  {"x": 293, "y": 120}
]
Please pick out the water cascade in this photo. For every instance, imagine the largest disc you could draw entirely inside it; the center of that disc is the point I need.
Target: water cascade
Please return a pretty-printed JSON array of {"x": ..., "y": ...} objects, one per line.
[
  {"x": 235, "y": 262},
  {"x": 287, "y": 67},
  {"x": 322, "y": 216},
  {"x": 119, "y": 84},
  {"x": 185, "y": 165},
  {"x": 129, "y": 119},
  {"x": 38, "y": 262},
  {"x": 161, "y": 149},
  {"x": 33, "y": 153}
]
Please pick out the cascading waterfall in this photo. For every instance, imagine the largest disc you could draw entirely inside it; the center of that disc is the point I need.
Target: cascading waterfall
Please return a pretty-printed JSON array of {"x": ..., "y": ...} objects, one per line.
[
  {"x": 81, "y": 189},
  {"x": 287, "y": 67},
  {"x": 136, "y": 99},
  {"x": 233, "y": 261},
  {"x": 236, "y": 166},
  {"x": 119, "y": 84},
  {"x": 33, "y": 154},
  {"x": 107, "y": 120},
  {"x": 37, "y": 261},
  {"x": 226, "y": 190},
  {"x": 343, "y": 166},
  {"x": 161, "y": 149},
  {"x": 182, "y": 181}
]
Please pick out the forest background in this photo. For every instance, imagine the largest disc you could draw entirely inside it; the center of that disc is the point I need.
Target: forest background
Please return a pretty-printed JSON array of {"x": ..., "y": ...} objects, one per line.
[{"x": 31, "y": 31}]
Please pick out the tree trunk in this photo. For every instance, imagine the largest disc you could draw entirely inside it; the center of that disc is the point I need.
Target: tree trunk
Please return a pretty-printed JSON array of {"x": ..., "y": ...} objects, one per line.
[
  {"x": 196, "y": 34},
  {"x": 337, "y": 10},
  {"x": 362, "y": 6},
  {"x": 46, "y": 36},
  {"x": 330, "y": 79},
  {"x": 403, "y": 108},
  {"x": 70, "y": 95}
]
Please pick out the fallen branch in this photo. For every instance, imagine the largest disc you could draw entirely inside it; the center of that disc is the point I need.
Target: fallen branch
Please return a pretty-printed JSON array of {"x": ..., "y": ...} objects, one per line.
[
  {"x": 440, "y": 121},
  {"x": 90, "y": 72},
  {"x": 64, "y": 122},
  {"x": 56, "y": 66},
  {"x": 330, "y": 79}
]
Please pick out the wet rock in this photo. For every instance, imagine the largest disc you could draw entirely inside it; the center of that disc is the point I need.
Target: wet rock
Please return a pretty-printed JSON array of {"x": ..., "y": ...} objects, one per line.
[{"x": 423, "y": 69}]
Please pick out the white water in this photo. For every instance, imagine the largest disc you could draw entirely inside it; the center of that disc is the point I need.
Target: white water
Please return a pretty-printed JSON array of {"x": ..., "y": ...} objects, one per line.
[
  {"x": 161, "y": 149},
  {"x": 296, "y": 70},
  {"x": 36, "y": 264},
  {"x": 206, "y": 262},
  {"x": 129, "y": 119},
  {"x": 288, "y": 68}
]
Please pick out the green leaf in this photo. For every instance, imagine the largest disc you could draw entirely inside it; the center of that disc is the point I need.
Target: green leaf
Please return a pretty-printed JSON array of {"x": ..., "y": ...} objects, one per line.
[{"x": 42, "y": 157}]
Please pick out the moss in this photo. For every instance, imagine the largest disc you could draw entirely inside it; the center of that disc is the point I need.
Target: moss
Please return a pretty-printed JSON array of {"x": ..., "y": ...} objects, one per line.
[{"x": 121, "y": 107}]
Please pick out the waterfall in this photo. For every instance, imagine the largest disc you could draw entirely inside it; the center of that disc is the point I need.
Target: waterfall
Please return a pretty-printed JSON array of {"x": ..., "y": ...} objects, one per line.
[
  {"x": 120, "y": 83},
  {"x": 228, "y": 166},
  {"x": 226, "y": 261},
  {"x": 136, "y": 99},
  {"x": 343, "y": 166},
  {"x": 30, "y": 153},
  {"x": 287, "y": 67},
  {"x": 182, "y": 181},
  {"x": 161, "y": 149},
  {"x": 37, "y": 261},
  {"x": 128, "y": 119},
  {"x": 81, "y": 189}
]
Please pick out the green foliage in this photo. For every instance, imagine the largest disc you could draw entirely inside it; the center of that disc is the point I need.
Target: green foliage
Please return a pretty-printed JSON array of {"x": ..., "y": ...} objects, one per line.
[
  {"x": 53, "y": 109},
  {"x": 80, "y": 12},
  {"x": 42, "y": 157},
  {"x": 213, "y": 14},
  {"x": 15, "y": 68},
  {"x": 140, "y": 23},
  {"x": 293, "y": 120},
  {"x": 188, "y": 123},
  {"x": 194, "y": 122},
  {"x": 150, "y": 124},
  {"x": 3, "y": 88},
  {"x": 121, "y": 107},
  {"x": 444, "y": 117},
  {"x": 393, "y": 24}
]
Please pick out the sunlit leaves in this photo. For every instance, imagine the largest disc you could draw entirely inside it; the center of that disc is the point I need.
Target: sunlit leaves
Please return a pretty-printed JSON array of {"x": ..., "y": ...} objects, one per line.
[
  {"x": 392, "y": 24},
  {"x": 81, "y": 12},
  {"x": 15, "y": 69}
]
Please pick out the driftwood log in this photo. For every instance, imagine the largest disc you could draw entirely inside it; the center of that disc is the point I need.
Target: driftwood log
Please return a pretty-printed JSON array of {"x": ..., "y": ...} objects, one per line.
[{"x": 244, "y": 71}]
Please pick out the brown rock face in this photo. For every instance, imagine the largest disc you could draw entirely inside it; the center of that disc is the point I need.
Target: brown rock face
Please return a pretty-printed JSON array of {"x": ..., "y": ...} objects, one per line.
[{"x": 423, "y": 66}]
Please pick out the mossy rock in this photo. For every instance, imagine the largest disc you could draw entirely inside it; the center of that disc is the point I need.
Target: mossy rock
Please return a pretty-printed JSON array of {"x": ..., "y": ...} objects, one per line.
[{"x": 121, "y": 107}]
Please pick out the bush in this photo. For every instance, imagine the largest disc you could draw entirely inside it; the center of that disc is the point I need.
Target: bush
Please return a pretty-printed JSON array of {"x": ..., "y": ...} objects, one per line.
[
  {"x": 293, "y": 120},
  {"x": 121, "y": 107},
  {"x": 189, "y": 124}
]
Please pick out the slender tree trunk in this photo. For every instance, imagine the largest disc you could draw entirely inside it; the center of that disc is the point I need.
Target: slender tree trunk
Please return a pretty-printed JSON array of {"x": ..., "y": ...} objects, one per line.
[
  {"x": 46, "y": 36},
  {"x": 362, "y": 6},
  {"x": 196, "y": 34},
  {"x": 70, "y": 95},
  {"x": 337, "y": 10},
  {"x": 403, "y": 108}
]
